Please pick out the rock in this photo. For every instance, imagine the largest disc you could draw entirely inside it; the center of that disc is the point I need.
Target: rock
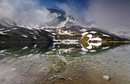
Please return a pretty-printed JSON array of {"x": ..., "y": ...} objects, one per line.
[
  {"x": 14, "y": 69},
  {"x": 52, "y": 78},
  {"x": 56, "y": 78},
  {"x": 106, "y": 77},
  {"x": 70, "y": 79},
  {"x": 61, "y": 79}
]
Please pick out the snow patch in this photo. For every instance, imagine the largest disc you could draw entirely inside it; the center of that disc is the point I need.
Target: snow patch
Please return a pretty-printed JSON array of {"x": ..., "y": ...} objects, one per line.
[
  {"x": 105, "y": 35},
  {"x": 25, "y": 48},
  {"x": 105, "y": 47},
  {"x": 93, "y": 39},
  {"x": 83, "y": 30},
  {"x": 68, "y": 41},
  {"x": 93, "y": 32},
  {"x": 24, "y": 36},
  {"x": 35, "y": 45},
  {"x": 69, "y": 50},
  {"x": 1, "y": 32},
  {"x": 92, "y": 50},
  {"x": 83, "y": 34},
  {"x": 84, "y": 49},
  {"x": 35, "y": 37},
  {"x": 6, "y": 30},
  {"x": 15, "y": 28},
  {"x": 96, "y": 39},
  {"x": 91, "y": 45},
  {"x": 83, "y": 53},
  {"x": 95, "y": 44},
  {"x": 64, "y": 32},
  {"x": 2, "y": 51}
]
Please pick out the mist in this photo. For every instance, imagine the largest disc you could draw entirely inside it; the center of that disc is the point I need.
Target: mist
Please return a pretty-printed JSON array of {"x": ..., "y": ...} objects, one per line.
[
  {"x": 110, "y": 15},
  {"x": 25, "y": 12},
  {"x": 72, "y": 10}
]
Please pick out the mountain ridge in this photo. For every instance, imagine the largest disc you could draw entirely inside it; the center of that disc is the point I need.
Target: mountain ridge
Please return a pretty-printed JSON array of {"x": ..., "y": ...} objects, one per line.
[{"x": 65, "y": 29}]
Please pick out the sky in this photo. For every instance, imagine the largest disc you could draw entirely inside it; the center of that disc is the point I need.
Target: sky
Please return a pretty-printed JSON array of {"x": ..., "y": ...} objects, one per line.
[
  {"x": 80, "y": 4},
  {"x": 111, "y": 15},
  {"x": 76, "y": 5}
]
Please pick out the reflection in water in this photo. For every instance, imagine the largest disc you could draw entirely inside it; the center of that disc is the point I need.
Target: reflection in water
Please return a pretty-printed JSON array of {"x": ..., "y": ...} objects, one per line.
[
  {"x": 71, "y": 50},
  {"x": 71, "y": 63}
]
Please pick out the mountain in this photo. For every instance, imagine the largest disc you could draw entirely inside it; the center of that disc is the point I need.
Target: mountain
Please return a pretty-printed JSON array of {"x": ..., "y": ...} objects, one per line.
[
  {"x": 15, "y": 34},
  {"x": 62, "y": 20},
  {"x": 78, "y": 32},
  {"x": 61, "y": 14},
  {"x": 62, "y": 29}
]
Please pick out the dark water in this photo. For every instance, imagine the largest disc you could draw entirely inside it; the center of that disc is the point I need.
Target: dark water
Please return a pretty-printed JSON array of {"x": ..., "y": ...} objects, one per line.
[{"x": 64, "y": 63}]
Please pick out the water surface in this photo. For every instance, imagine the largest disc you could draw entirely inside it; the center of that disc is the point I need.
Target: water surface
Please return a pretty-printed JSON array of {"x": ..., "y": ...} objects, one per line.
[{"x": 64, "y": 64}]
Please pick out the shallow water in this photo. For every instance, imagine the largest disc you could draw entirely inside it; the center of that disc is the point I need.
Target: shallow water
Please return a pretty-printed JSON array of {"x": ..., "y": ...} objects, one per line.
[{"x": 64, "y": 64}]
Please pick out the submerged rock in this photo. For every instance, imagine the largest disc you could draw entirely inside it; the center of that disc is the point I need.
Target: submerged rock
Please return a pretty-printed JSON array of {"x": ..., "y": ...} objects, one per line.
[
  {"x": 52, "y": 78},
  {"x": 106, "y": 78},
  {"x": 61, "y": 79}
]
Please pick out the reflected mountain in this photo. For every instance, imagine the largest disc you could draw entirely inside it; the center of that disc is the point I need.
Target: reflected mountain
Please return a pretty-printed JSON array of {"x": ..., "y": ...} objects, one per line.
[
  {"x": 77, "y": 50},
  {"x": 17, "y": 50},
  {"x": 98, "y": 47},
  {"x": 69, "y": 50}
]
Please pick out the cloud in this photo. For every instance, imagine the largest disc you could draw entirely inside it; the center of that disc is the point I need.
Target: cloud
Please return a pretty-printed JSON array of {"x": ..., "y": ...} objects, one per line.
[
  {"x": 25, "y": 12},
  {"x": 72, "y": 10},
  {"x": 112, "y": 15}
]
